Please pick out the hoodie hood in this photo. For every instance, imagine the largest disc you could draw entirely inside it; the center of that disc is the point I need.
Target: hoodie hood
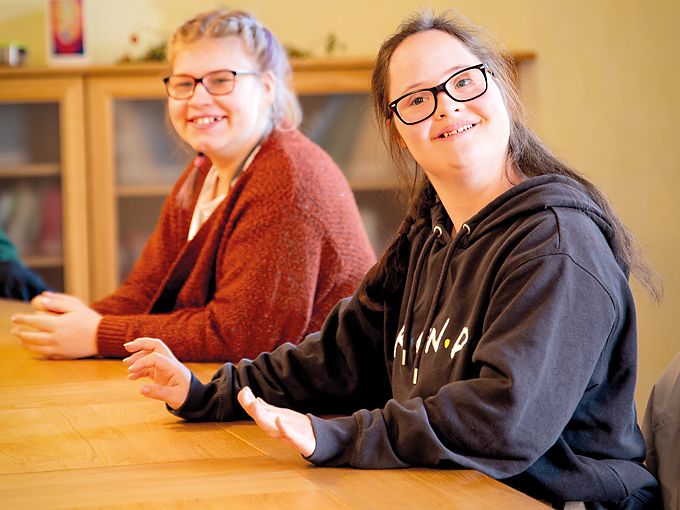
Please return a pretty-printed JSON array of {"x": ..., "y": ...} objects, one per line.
[{"x": 530, "y": 197}]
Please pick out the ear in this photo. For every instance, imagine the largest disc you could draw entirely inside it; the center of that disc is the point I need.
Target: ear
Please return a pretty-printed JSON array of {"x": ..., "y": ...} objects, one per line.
[{"x": 269, "y": 85}]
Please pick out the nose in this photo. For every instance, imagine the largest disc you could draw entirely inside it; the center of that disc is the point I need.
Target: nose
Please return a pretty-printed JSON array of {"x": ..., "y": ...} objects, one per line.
[
  {"x": 200, "y": 94},
  {"x": 446, "y": 105}
]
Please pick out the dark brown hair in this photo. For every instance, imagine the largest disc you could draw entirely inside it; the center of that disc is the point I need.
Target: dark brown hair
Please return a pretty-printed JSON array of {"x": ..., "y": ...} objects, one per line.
[{"x": 525, "y": 151}]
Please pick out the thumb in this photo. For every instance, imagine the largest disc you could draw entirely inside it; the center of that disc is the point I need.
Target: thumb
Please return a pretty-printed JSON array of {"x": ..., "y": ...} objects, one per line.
[
  {"x": 158, "y": 392},
  {"x": 37, "y": 302},
  {"x": 246, "y": 397},
  {"x": 283, "y": 429},
  {"x": 294, "y": 437},
  {"x": 52, "y": 303},
  {"x": 287, "y": 431}
]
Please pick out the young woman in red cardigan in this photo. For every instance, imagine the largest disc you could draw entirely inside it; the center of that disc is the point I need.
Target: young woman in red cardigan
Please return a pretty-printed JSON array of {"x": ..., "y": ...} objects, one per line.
[{"x": 260, "y": 236}]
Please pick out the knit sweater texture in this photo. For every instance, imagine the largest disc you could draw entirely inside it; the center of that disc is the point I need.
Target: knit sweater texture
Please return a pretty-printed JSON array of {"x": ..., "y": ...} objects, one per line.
[{"x": 266, "y": 268}]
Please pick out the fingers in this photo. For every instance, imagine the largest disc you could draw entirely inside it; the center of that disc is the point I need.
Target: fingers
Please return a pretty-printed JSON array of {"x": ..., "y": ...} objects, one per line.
[
  {"x": 150, "y": 361},
  {"x": 292, "y": 427},
  {"x": 37, "y": 342},
  {"x": 247, "y": 400},
  {"x": 35, "y": 338},
  {"x": 144, "y": 372},
  {"x": 43, "y": 322},
  {"x": 139, "y": 343},
  {"x": 160, "y": 368},
  {"x": 56, "y": 302},
  {"x": 134, "y": 357},
  {"x": 148, "y": 344},
  {"x": 171, "y": 379},
  {"x": 38, "y": 302},
  {"x": 46, "y": 351},
  {"x": 42, "y": 341},
  {"x": 245, "y": 396},
  {"x": 259, "y": 411}
]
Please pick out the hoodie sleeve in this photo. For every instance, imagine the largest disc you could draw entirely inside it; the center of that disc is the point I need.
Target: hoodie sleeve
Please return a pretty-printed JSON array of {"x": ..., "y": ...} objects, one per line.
[
  {"x": 544, "y": 330},
  {"x": 337, "y": 370}
]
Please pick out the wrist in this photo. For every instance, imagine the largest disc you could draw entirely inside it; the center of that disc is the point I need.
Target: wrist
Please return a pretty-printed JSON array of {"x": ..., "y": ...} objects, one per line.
[
  {"x": 190, "y": 407},
  {"x": 94, "y": 344}
]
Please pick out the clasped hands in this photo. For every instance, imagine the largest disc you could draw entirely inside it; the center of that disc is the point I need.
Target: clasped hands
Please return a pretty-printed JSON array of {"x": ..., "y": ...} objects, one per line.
[
  {"x": 171, "y": 381},
  {"x": 63, "y": 327}
]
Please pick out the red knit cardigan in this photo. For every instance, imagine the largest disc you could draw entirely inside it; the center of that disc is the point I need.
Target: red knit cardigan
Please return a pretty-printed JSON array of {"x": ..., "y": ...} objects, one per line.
[{"x": 267, "y": 266}]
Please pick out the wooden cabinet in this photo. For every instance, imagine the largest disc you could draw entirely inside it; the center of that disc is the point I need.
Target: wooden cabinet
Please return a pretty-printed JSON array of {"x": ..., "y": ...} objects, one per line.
[
  {"x": 112, "y": 121},
  {"x": 134, "y": 158},
  {"x": 42, "y": 175}
]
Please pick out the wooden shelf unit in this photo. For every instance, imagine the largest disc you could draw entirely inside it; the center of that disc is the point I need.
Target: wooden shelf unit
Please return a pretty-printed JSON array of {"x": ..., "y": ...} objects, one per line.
[
  {"x": 21, "y": 90},
  {"x": 109, "y": 116}
]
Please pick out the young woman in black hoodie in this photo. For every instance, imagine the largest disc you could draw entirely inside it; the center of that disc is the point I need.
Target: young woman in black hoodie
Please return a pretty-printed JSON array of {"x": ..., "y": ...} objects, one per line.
[{"x": 497, "y": 332}]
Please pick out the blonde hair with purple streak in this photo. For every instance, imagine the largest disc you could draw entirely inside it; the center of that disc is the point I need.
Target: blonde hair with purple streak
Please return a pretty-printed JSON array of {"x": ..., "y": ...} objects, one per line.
[{"x": 265, "y": 48}]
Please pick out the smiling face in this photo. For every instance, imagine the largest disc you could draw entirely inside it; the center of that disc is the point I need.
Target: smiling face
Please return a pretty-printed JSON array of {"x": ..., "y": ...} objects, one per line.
[
  {"x": 467, "y": 141},
  {"x": 225, "y": 127}
]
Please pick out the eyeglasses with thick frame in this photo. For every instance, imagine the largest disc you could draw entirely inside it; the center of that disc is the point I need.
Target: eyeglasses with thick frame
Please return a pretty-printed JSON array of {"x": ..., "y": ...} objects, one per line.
[
  {"x": 217, "y": 83},
  {"x": 462, "y": 94}
]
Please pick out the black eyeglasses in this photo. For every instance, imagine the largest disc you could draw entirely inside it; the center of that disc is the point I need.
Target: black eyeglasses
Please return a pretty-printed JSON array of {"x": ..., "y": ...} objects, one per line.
[
  {"x": 217, "y": 83},
  {"x": 464, "y": 85}
]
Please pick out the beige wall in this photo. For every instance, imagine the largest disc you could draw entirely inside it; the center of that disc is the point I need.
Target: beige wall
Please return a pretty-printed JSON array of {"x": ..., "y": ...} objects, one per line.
[{"x": 603, "y": 93}]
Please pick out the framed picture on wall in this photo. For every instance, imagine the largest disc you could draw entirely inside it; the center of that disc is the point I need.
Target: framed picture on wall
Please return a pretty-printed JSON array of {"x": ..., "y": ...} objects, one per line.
[{"x": 66, "y": 32}]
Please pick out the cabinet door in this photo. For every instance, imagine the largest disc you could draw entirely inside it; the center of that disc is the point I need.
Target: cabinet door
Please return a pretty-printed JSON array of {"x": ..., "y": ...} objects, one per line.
[
  {"x": 338, "y": 115},
  {"x": 135, "y": 159},
  {"x": 343, "y": 124},
  {"x": 42, "y": 177}
]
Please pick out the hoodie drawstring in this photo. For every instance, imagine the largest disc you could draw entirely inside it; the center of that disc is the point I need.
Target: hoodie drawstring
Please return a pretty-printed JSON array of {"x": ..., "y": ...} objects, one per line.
[
  {"x": 433, "y": 304},
  {"x": 436, "y": 232}
]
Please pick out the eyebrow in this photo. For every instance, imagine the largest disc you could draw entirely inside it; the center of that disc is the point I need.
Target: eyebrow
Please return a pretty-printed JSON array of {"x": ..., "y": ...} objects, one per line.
[{"x": 419, "y": 85}]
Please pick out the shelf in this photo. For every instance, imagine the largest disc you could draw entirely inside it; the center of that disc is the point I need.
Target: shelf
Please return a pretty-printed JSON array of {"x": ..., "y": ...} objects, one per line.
[
  {"x": 43, "y": 176},
  {"x": 160, "y": 190},
  {"x": 43, "y": 261},
  {"x": 133, "y": 163},
  {"x": 29, "y": 170},
  {"x": 164, "y": 190}
]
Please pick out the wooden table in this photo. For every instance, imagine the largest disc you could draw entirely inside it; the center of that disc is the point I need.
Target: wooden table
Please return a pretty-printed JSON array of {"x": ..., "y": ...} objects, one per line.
[{"x": 77, "y": 434}]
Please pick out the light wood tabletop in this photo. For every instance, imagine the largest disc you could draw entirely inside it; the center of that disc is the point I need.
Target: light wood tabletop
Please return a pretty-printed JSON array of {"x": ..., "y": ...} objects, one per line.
[{"x": 77, "y": 434}]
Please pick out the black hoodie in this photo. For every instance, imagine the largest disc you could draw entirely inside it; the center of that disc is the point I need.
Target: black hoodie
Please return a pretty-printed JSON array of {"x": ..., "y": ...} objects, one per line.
[{"x": 526, "y": 372}]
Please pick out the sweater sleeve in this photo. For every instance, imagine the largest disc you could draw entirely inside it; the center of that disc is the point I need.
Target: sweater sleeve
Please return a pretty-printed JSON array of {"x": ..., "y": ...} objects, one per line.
[
  {"x": 338, "y": 369},
  {"x": 536, "y": 360},
  {"x": 267, "y": 274}
]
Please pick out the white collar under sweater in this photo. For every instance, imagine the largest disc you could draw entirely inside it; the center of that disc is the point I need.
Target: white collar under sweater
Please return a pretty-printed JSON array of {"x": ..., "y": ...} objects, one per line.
[{"x": 206, "y": 204}]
